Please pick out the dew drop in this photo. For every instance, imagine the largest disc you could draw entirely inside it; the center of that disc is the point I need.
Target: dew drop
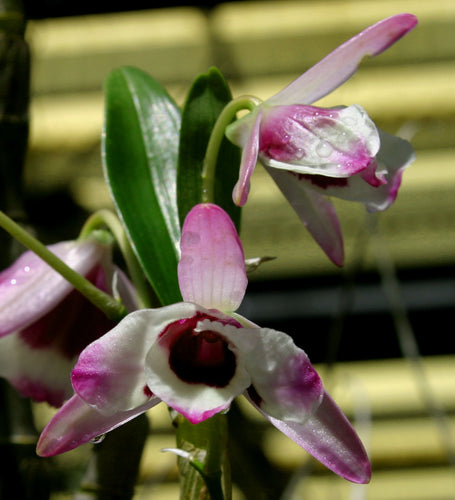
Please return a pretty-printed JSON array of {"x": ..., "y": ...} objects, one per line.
[
  {"x": 98, "y": 439},
  {"x": 190, "y": 238},
  {"x": 323, "y": 150}
]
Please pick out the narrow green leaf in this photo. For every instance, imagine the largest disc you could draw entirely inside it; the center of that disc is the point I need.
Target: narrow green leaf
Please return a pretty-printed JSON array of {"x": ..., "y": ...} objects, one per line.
[
  {"x": 140, "y": 150},
  {"x": 206, "y": 99}
]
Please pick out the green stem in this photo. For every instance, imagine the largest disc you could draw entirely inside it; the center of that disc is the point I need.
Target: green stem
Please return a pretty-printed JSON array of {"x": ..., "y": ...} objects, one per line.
[
  {"x": 111, "y": 307},
  {"x": 111, "y": 221},
  {"x": 206, "y": 475},
  {"x": 211, "y": 155}
]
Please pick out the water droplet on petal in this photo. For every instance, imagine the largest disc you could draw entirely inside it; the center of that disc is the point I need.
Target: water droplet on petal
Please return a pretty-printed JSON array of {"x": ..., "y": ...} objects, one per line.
[
  {"x": 98, "y": 439},
  {"x": 187, "y": 260},
  {"x": 323, "y": 149},
  {"x": 190, "y": 238}
]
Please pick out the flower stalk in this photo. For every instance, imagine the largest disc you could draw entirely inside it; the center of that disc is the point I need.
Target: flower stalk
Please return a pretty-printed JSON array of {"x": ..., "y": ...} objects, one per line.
[
  {"x": 106, "y": 218},
  {"x": 207, "y": 476},
  {"x": 224, "y": 119}
]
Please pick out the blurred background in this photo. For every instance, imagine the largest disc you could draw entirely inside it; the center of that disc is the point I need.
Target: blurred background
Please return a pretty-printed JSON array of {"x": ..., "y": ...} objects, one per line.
[{"x": 364, "y": 325}]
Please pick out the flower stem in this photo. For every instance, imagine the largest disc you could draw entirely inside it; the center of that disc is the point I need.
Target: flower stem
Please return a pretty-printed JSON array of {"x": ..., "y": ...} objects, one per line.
[
  {"x": 211, "y": 155},
  {"x": 207, "y": 475},
  {"x": 111, "y": 221},
  {"x": 111, "y": 307}
]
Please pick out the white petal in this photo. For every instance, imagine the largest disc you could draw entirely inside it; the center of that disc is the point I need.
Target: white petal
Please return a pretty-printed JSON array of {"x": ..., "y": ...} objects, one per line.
[
  {"x": 30, "y": 288},
  {"x": 110, "y": 372},
  {"x": 315, "y": 211},
  {"x": 335, "y": 142},
  {"x": 41, "y": 374},
  {"x": 284, "y": 383},
  {"x": 394, "y": 156}
]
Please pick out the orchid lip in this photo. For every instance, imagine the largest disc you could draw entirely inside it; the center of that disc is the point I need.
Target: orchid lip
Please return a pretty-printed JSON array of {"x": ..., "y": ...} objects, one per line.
[
  {"x": 202, "y": 358},
  {"x": 198, "y": 355}
]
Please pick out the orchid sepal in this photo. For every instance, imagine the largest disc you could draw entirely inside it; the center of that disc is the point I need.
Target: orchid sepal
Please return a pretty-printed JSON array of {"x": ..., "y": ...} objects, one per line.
[
  {"x": 329, "y": 437},
  {"x": 211, "y": 270},
  {"x": 316, "y": 212},
  {"x": 77, "y": 423},
  {"x": 338, "y": 66}
]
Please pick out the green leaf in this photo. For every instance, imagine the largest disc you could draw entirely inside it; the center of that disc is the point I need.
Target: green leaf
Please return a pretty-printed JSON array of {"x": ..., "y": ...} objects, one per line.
[
  {"x": 140, "y": 150},
  {"x": 207, "y": 97}
]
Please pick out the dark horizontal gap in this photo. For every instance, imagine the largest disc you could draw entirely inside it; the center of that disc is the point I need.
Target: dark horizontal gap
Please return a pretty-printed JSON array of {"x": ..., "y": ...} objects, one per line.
[
  {"x": 308, "y": 309},
  {"x": 62, "y": 8}
]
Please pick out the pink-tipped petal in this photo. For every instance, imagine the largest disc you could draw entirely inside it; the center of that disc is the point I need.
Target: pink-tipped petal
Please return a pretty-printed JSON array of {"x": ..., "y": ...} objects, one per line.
[
  {"x": 76, "y": 423},
  {"x": 394, "y": 156},
  {"x": 248, "y": 161},
  {"x": 341, "y": 64},
  {"x": 109, "y": 374},
  {"x": 331, "y": 439},
  {"x": 30, "y": 288},
  {"x": 284, "y": 382},
  {"x": 337, "y": 142},
  {"x": 317, "y": 213},
  {"x": 211, "y": 270}
]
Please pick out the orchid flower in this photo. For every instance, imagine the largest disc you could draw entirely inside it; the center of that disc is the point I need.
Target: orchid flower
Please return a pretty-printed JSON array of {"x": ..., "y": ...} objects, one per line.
[
  {"x": 313, "y": 152},
  {"x": 198, "y": 355},
  {"x": 45, "y": 323}
]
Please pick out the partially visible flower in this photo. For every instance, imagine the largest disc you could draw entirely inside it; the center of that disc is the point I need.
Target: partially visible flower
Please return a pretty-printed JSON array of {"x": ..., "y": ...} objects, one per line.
[
  {"x": 45, "y": 323},
  {"x": 314, "y": 152},
  {"x": 198, "y": 355}
]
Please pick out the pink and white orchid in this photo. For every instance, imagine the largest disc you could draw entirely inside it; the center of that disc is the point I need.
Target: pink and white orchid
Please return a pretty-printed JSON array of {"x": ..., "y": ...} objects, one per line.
[
  {"x": 45, "y": 323},
  {"x": 313, "y": 152},
  {"x": 198, "y": 355}
]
